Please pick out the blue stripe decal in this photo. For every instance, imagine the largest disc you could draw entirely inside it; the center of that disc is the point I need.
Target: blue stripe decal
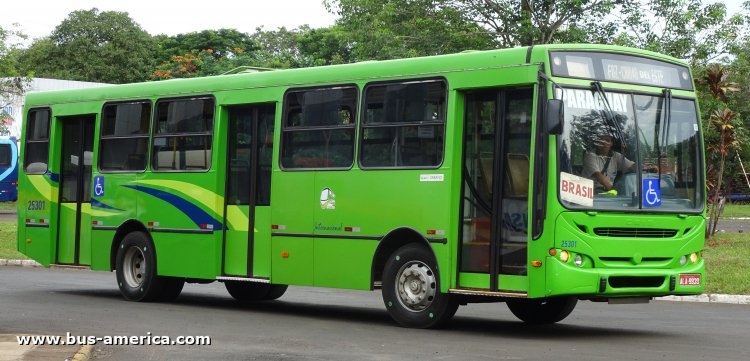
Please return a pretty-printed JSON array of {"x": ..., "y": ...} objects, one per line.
[
  {"x": 97, "y": 204},
  {"x": 197, "y": 215},
  {"x": 53, "y": 176}
]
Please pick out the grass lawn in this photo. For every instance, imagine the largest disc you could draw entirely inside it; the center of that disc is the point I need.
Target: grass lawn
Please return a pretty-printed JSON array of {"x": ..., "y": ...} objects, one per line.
[
  {"x": 7, "y": 205},
  {"x": 736, "y": 210},
  {"x": 8, "y": 241},
  {"x": 727, "y": 258}
]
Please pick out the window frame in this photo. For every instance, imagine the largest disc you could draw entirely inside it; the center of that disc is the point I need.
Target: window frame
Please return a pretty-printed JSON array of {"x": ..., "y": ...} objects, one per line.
[
  {"x": 285, "y": 128},
  {"x": 363, "y": 126},
  {"x": 210, "y": 133},
  {"x": 3, "y": 162},
  {"x": 46, "y": 140},
  {"x": 700, "y": 159},
  {"x": 147, "y": 136}
]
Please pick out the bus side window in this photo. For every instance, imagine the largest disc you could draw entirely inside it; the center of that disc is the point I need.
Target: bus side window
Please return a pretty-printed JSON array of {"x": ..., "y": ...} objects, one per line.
[
  {"x": 403, "y": 125},
  {"x": 318, "y": 128},
  {"x": 183, "y": 134},
  {"x": 37, "y": 141},
  {"x": 124, "y": 136}
]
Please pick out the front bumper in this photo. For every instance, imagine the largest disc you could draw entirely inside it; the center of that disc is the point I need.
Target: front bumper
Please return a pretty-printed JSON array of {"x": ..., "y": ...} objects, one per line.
[{"x": 568, "y": 279}]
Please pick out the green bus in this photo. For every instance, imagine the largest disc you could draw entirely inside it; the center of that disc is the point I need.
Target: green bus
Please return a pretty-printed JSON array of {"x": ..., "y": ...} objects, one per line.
[{"x": 535, "y": 176}]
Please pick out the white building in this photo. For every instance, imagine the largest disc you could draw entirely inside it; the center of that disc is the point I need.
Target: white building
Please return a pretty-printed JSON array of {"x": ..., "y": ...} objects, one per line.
[{"x": 13, "y": 107}]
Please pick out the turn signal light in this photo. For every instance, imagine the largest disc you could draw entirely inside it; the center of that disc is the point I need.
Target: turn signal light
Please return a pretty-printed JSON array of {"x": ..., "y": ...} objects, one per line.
[
  {"x": 285, "y": 254},
  {"x": 552, "y": 252},
  {"x": 536, "y": 263}
]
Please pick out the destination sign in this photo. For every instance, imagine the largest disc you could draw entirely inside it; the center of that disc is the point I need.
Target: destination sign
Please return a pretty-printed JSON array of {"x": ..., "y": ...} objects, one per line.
[{"x": 620, "y": 68}]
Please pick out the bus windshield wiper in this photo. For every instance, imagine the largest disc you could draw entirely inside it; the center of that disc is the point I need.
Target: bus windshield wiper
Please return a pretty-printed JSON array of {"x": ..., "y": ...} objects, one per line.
[
  {"x": 664, "y": 129},
  {"x": 608, "y": 114}
]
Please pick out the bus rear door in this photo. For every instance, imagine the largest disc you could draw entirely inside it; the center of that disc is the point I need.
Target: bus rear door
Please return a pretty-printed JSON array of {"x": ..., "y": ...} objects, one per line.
[{"x": 247, "y": 238}]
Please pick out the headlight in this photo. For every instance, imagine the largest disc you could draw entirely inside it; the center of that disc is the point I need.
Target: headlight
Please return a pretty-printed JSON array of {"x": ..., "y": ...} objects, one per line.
[
  {"x": 694, "y": 257},
  {"x": 564, "y": 256},
  {"x": 683, "y": 260},
  {"x": 578, "y": 260}
]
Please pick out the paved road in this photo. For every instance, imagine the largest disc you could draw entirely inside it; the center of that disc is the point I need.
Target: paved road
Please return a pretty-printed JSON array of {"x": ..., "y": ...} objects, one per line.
[{"x": 322, "y": 324}]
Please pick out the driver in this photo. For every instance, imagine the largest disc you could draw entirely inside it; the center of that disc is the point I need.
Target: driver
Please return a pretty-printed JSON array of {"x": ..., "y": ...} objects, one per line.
[{"x": 603, "y": 164}]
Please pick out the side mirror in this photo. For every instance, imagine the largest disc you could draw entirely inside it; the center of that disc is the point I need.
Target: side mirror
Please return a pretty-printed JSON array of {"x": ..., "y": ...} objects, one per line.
[{"x": 554, "y": 116}]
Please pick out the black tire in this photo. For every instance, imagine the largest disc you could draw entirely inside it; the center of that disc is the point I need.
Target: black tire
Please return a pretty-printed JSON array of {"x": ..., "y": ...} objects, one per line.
[
  {"x": 136, "y": 269},
  {"x": 275, "y": 292},
  {"x": 253, "y": 291},
  {"x": 422, "y": 305},
  {"x": 171, "y": 289},
  {"x": 542, "y": 311}
]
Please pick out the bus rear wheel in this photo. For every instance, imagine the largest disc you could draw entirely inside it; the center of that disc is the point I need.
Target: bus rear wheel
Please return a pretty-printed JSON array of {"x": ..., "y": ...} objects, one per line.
[
  {"x": 411, "y": 289},
  {"x": 135, "y": 265},
  {"x": 542, "y": 311},
  {"x": 252, "y": 291}
]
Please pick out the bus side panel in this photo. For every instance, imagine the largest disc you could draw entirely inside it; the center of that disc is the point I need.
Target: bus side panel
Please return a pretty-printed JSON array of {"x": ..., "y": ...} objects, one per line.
[
  {"x": 36, "y": 206},
  {"x": 262, "y": 242},
  {"x": 372, "y": 203},
  {"x": 174, "y": 206},
  {"x": 292, "y": 261},
  {"x": 293, "y": 198},
  {"x": 112, "y": 208}
]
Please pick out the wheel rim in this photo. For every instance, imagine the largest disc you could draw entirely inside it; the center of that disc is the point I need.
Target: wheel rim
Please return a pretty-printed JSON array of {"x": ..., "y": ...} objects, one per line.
[
  {"x": 416, "y": 286},
  {"x": 134, "y": 267}
]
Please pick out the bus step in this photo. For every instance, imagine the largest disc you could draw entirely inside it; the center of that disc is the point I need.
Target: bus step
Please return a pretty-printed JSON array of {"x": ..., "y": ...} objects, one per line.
[
  {"x": 243, "y": 279},
  {"x": 481, "y": 292},
  {"x": 70, "y": 266}
]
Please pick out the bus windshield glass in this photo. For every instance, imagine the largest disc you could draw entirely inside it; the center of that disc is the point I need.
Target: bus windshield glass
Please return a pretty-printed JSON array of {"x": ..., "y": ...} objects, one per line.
[{"x": 629, "y": 152}]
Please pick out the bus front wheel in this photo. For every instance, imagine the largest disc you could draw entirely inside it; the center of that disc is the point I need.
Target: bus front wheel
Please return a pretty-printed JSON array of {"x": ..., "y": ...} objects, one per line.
[
  {"x": 135, "y": 267},
  {"x": 542, "y": 311},
  {"x": 411, "y": 289}
]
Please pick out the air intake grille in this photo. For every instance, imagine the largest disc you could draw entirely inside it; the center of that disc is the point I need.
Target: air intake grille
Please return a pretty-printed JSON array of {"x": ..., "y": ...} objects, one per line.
[
  {"x": 635, "y": 232},
  {"x": 635, "y": 282}
]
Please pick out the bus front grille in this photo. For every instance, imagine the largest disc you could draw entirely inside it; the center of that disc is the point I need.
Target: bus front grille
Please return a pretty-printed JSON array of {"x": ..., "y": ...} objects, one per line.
[
  {"x": 636, "y": 281},
  {"x": 635, "y": 232}
]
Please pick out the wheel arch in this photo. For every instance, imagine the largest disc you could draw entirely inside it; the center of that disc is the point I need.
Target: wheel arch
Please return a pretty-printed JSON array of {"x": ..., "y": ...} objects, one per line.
[
  {"x": 392, "y": 241},
  {"x": 131, "y": 225}
]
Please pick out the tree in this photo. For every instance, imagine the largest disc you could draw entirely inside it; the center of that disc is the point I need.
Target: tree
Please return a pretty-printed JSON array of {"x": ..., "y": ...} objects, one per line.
[
  {"x": 387, "y": 29},
  {"x": 685, "y": 29},
  {"x": 528, "y": 22},
  {"x": 93, "y": 46},
  {"x": 721, "y": 135},
  {"x": 13, "y": 83},
  {"x": 222, "y": 42}
]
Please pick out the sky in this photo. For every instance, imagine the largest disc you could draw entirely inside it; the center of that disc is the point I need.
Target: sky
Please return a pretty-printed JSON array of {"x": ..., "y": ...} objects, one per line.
[{"x": 166, "y": 17}]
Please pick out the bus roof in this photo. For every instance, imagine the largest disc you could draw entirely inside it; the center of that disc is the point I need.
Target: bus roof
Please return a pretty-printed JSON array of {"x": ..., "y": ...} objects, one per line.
[{"x": 333, "y": 74}]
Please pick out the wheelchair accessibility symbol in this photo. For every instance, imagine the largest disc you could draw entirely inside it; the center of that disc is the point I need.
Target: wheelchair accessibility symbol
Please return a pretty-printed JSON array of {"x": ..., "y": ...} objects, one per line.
[
  {"x": 99, "y": 186},
  {"x": 651, "y": 193}
]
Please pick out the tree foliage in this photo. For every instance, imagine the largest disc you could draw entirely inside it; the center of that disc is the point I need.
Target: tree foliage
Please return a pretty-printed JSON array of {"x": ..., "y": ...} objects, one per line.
[
  {"x": 685, "y": 29},
  {"x": 13, "y": 82},
  {"x": 222, "y": 42},
  {"x": 93, "y": 46},
  {"x": 387, "y": 29}
]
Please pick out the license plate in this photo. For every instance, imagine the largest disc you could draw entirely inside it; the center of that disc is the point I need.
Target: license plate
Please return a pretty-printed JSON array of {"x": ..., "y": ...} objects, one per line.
[{"x": 690, "y": 280}]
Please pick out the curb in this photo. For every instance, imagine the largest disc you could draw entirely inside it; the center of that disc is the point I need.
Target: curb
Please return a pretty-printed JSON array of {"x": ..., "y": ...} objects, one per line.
[
  {"x": 19, "y": 262},
  {"x": 710, "y": 298},
  {"x": 84, "y": 353}
]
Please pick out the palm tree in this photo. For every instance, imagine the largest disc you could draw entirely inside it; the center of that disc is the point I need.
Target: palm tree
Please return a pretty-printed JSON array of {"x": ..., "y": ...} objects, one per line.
[{"x": 722, "y": 119}]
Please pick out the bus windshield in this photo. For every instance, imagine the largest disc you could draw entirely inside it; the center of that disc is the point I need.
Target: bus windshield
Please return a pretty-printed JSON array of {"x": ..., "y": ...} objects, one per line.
[{"x": 628, "y": 152}]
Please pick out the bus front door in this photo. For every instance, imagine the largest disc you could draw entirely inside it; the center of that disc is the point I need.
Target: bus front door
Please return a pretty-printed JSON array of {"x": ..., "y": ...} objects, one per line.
[
  {"x": 247, "y": 237},
  {"x": 73, "y": 238},
  {"x": 497, "y": 141}
]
